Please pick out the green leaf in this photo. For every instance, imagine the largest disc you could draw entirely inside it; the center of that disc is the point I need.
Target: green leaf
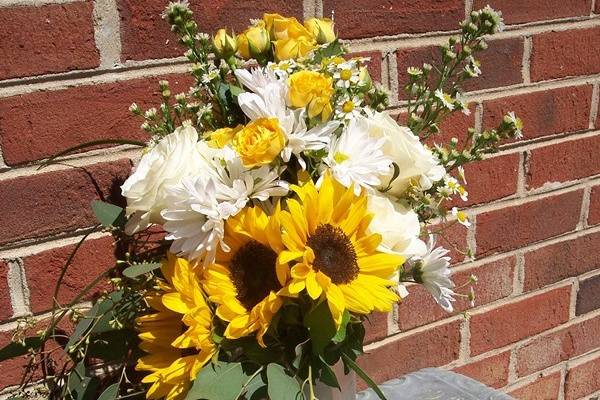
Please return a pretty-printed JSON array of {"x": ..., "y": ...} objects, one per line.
[
  {"x": 321, "y": 327},
  {"x": 354, "y": 366},
  {"x": 80, "y": 386},
  {"x": 235, "y": 90},
  {"x": 110, "y": 393},
  {"x": 219, "y": 381},
  {"x": 108, "y": 214},
  {"x": 328, "y": 376},
  {"x": 280, "y": 385},
  {"x": 16, "y": 349},
  {"x": 256, "y": 388},
  {"x": 139, "y": 269},
  {"x": 340, "y": 335}
]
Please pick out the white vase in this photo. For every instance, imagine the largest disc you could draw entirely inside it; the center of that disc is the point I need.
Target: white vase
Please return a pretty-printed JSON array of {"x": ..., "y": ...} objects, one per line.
[{"x": 347, "y": 385}]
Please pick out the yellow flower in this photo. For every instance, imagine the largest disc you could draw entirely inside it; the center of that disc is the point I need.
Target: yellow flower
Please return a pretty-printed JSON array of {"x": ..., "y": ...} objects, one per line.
[
  {"x": 280, "y": 27},
  {"x": 175, "y": 358},
  {"x": 225, "y": 45},
  {"x": 253, "y": 42},
  {"x": 290, "y": 48},
  {"x": 221, "y": 137},
  {"x": 259, "y": 142},
  {"x": 245, "y": 282},
  {"x": 321, "y": 29},
  {"x": 312, "y": 89},
  {"x": 331, "y": 253}
]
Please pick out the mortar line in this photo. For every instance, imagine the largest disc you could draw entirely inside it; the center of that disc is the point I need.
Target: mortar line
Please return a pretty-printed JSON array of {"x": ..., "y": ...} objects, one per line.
[
  {"x": 48, "y": 243},
  {"x": 512, "y": 374},
  {"x": 18, "y": 290},
  {"x": 527, "y": 52},
  {"x": 471, "y": 238},
  {"x": 593, "y": 8},
  {"x": 309, "y": 8},
  {"x": 468, "y": 8},
  {"x": 319, "y": 9},
  {"x": 479, "y": 111},
  {"x": 464, "y": 351},
  {"x": 585, "y": 208},
  {"x": 392, "y": 76},
  {"x": 392, "y": 321},
  {"x": 573, "y": 299},
  {"x": 594, "y": 107},
  {"x": 563, "y": 377},
  {"x": 107, "y": 32},
  {"x": 519, "y": 274}
]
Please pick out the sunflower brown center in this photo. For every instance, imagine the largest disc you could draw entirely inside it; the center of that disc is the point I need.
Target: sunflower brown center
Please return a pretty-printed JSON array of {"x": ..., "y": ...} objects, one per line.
[
  {"x": 334, "y": 254},
  {"x": 253, "y": 273}
]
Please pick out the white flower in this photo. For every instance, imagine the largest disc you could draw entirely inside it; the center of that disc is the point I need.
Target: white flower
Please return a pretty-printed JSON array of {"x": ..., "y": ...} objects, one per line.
[
  {"x": 398, "y": 226},
  {"x": 517, "y": 123},
  {"x": 446, "y": 100},
  {"x": 462, "y": 104},
  {"x": 195, "y": 218},
  {"x": 346, "y": 75},
  {"x": 461, "y": 217},
  {"x": 358, "y": 158},
  {"x": 415, "y": 162},
  {"x": 174, "y": 157},
  {"x": 432, "y": 270},
  {"x": 453, "y": 187},
  {"x": 348, "y": 107}
]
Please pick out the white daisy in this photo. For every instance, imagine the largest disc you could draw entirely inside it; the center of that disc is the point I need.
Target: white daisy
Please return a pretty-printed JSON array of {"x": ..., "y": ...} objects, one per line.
[
  {"x": 348, "y": 108},
  {"x": 461, "y": 217},
  {"x": 517, "y": 123},
  {"x": 446, "y": 100},
  {"x": 346, "y": 75}
]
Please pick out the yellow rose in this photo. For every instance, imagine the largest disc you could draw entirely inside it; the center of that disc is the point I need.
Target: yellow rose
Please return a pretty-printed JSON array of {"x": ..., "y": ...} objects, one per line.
[
  {"x": 253, "y": 42},
  {"x": 221, "y": 137},
  {"x": 259, "y": 142},
  {"x": 312, "y": 89},
  {"x": 290, "y": 48},
  {"x": 280, "y": 27},
  {"x": 321, "y": 29},
  {"x": 225, "y": 45}
]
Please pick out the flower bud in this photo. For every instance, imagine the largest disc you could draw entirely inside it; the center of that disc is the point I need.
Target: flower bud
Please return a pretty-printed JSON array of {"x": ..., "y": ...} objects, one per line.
[
  {"x": 321, "y": 29},
  {"x": 224, "y": 45},
  {"x": 253, "y": 42}
]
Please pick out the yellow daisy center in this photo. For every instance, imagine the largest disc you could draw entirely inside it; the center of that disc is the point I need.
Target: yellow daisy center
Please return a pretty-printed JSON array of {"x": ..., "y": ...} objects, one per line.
[
  {"x": 348, "y": 106},
  {"x": 346, "y": 74},
  {"x": 253, "y": 273},
  {"x": 334, "y": 254}
]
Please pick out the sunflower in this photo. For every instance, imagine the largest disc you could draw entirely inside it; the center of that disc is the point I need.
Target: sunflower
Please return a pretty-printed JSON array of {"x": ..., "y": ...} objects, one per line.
[
  {"x": 178, "y": 336},
  {"x": 245, "y": 282},
  {"x": 326, "y": 241}
]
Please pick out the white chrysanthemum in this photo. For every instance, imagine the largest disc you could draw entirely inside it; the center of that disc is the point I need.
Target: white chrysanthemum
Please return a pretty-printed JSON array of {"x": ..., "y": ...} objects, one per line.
[
  {"x": 174, "y": 157},
  {"x": 348, "y": 107},
  {"x": 432, "y": 270},
  {"x": 347, "y": 74},
  {"x": 195, "y": 218},
  {"x": 357, "y": 158}
]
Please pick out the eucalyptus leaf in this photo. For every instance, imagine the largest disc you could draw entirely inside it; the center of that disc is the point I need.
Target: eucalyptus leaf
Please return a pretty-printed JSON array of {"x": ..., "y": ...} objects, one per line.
[
  {"x": 363, "y": 375},
  {"x": 16, "y": 349},
  {"x": 321, "y": 327},
  {"x": 328, "y": 376},
  {"x": 140, "y": 269},
  {"x": 281, "y": 386},
  {"x": 219, "y": 381},
  {"x": 108, "y": 214},
  {"x": 110, "y": 393}
]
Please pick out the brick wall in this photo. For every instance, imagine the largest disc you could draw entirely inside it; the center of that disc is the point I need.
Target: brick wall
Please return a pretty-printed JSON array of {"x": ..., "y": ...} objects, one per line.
[{"x": 69, "y": 70}]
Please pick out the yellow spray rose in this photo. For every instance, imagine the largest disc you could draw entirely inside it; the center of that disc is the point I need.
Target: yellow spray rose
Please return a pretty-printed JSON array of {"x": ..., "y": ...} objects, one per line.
[
  {"x": 259, "y": 142},
  {"x": 321, "y": 29},
  {"x": 280, "y": 27},
  {"x": 286, "y": 49},
  {"x": 225, "y": 45},
  {"x": 221, "y": 137},
  {"x": 312, "y": 89},
  {"x": 253, "y": 42}
]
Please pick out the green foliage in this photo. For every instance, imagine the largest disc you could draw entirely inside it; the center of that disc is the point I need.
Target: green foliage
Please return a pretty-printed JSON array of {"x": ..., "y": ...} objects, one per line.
[
  {"x": 140, "y": 269},
  {"x": 221, "y": 381},
  {"x": 16, "y": 349},
  {"x": 281, "y": 386},
  {"x": 108, "y": 214}
]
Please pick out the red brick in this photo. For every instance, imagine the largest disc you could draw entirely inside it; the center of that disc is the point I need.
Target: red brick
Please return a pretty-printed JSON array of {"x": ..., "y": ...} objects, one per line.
[
  {"x": 518, "y": 11},
  {"x": 491, "y": 371},
  {"x": 559, "y": 261},
  {"x": 501, "y": 64},
  {"x": 563, "y": 162},
  {"x": 376, "y": 327},
  {"x": 583, "y": 379},
  {"x": 38, "y": 125},
  {"x": 495, "y": 281},
  {"x": 366, "y": 18},
  {"x": 452, "y": 236},
  {"x": 512, "y": 322},
  {"x": 144, "y": 34},
  {"x": 373, "y": 65},
  {"x": 52, "y": 202},
  {"x": 594, "y": 214},
  {"x": 545, "y": 387},
  {"x": 587, "y": 297},
  {"x": 454, "y": 125},
  {"x": 5, "y": 303},
  {"x": 42, "y": 271},
  {"x": 491, "y": 179},
  {"x": 565, "y": 53},
  {"x": 406, "y": 354},
  {"x": 12, "y": 369},
  {"x": 46, "y": 39},
  {"x": 597, "y": 10},
  {"x": 546, "y": 112},
  {"x": 552, "y": 348},
  {"x": 513, "y": 227}
]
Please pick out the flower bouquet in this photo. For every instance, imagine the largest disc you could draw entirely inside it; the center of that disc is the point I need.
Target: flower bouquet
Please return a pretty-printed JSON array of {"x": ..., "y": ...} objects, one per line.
[{"x": 275, "y": 207}]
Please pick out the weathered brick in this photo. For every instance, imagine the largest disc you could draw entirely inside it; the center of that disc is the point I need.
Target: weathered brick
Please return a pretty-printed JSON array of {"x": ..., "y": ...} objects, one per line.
[
  {"x": 509, "y": 323},
  {"x": 565, "y": 53},
  {"x": 387, "y": 17},
  {"x": 513, "y": 227},
  {"x": 494, "y": 282},
  {"x": 545, "y": 387},
  {"x": 492, "y": 179},
  {"x": 42, "y": 270},
  {"x": 491, "y": 371},
  {"x": 552, "y": 348},
  {"x": 406, "y": 354},
  {"x": 544, "y": 113},
  {"x": 5, "y": 302},
  {"x": 376, "y": 327},
  {"x": 562, "y": 162},
  {"x": 583, "y": 379},
  {"x": 555, "y": 262},
  {"x": 38, "y": 125},
  {"x": 587, "y": 297},
  {"x": 518, "y": 11},
  {"x": 52, "y": 202},
  {"x": 594, "y": 214},
  {"x": 43, "y": 39},
  {"x": 144, "y": 34}
]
